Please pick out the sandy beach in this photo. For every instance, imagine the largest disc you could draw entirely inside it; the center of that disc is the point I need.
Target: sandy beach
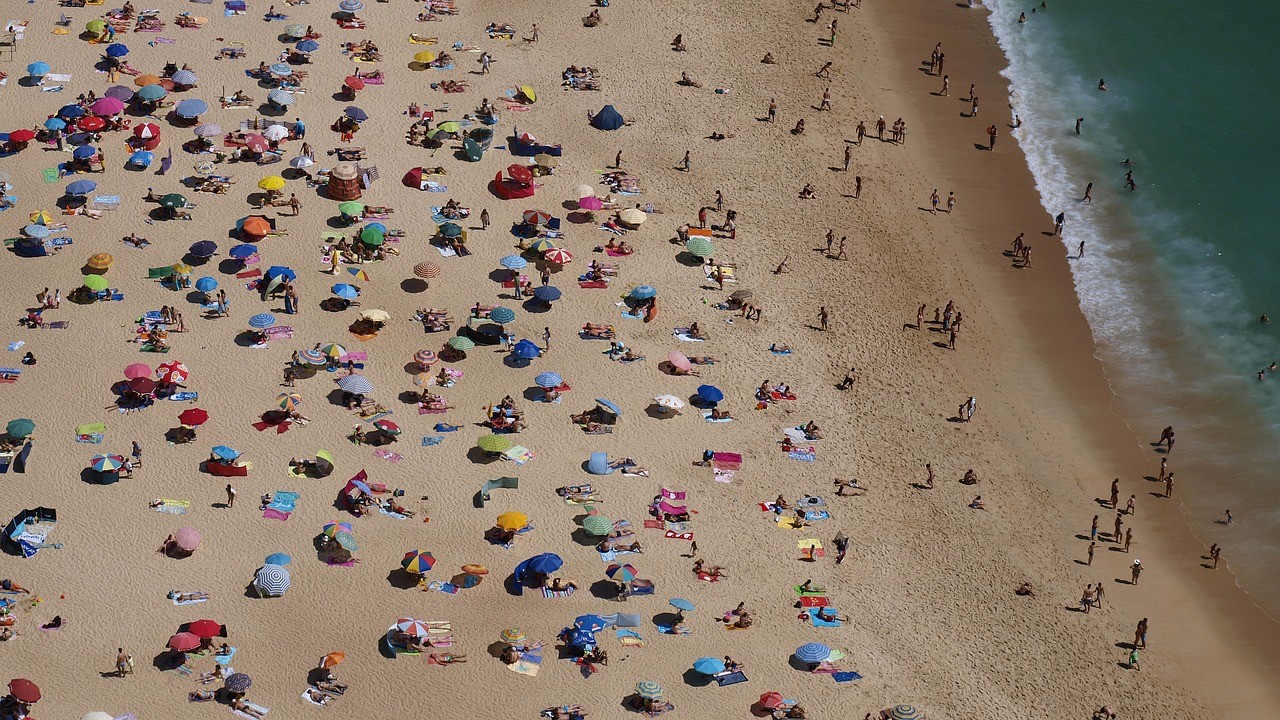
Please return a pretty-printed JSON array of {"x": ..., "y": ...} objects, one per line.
[{"x": 927, "y": 588}]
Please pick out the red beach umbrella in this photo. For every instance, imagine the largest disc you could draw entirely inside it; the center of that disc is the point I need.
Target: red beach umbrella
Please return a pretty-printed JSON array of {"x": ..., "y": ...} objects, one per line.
[
  {"x": 771, "y": 700},
  {"x": 256, "y": 143},
  {"x": 354, "y": 83},
  {"x": 24, "y": 690},
  {"x": 426, "y": 270},
  {"x": 23, "y": 135},
  {"x": 187, "y": 538},
  {"x": 559, "y": 256},
  {"x": 91, "y": 123},
  {"x": 137, "y": 370},
  {"x": 193, "y": 417},
  {"x": 535, "y": 217},
  {"x": 173, "y": 372},
  {"x": 146, "y": 131},
  {"x": 142, "y": 385},
  {"x": 206, "y": 629},
  {"x": 520, "y": 173},
  {"x": 184, "y": 641}
]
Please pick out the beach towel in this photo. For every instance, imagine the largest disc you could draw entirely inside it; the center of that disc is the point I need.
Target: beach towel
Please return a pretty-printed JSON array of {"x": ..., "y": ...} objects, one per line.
[
  {"x": 670, "y": 630},
  {"x": 593, "y": 285},
  {"x": 391, "y": 514},
  {"x": 16, "y": 344},
  {"x": 819, "y": 622},
  {"x": 780, "y": 352},
  {"x": 432, "y": 440},
  {"x": 306, "y": 695},
  {"x": 788, "y": 522},
  {"x": 388, "y": 455},
  {"x": 678, "y": 536},
  {"x": 447, "y": 588},
  {"x": 803, "y": 456},
  {"x": 256, "y": 272},
  {"x": 185, "y": 395},
  {"x": 173, "y": 507},
  {"x": 612, "y": 555},
  {"x": 707, "y": 416},
  {"x": 189, "y": 602},
  {"x": 814, "y": 601},
  {"x": 683, "y": 335},
  {"x": 813, "y": 515},
  {"x": 843, "y": 677},
  {"x": 281, "y": 506},
  {"x": 261, "y": 711},
  {"x": 732, "y": 678},
  {"x": 224, "y": 659},
  {"x": 90, "y": 438},
  {"x": 519, "y": 455},
  {"x": 529, "y": 663},
  {"x": 549, "y": 593}
]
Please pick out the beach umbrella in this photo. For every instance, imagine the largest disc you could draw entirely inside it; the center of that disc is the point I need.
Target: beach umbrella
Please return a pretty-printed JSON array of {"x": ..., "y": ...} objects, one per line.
[
  {"x": 679, "y": 361},
  {"x": 376, "y": 315},
  {"x": 644, "y": 292},
  {"x": 541, "y": 245},
  {"x": 226, "y": 453},
  {"x": 117, "y": 50},
  {"x": 206, "y": 284},
  {"x": 332, "y": 528},
  {"x": 814, "y": 652},
  {"x": 580, "y": 638},
  {"x": 710, "y": 393},
  {"x": 92, "y": 123},
  {"x": 208, "y": 130},
  {"x": 95, "y": 26},
  {"x": 181, "y": 268},
  {"x": 333, "y": 350},
  {"x": 426, "y": 270},
  {"x": 545, "y": 160},
  {"x": 243, "y": 251},
  {"x": 332, "y": 659},
  {"x": 633, "y": 216},
  {"x": 173, "y": 201},
  {"x": 137, "y": 370},
  {"x": 502, "y": 315},
  {"x": 22, "y": 135},
  {"x": 275, "y": 132},
  {"x": 536, "y": 217},
  {"x": 372, "y": 236},
  {"x": 904, "y": 712},
  {"x": 106, "y": 463},
  {"x": 548, "y": 380},
  {"x": 545, "y": 563},
  {"x": 280, "y": 97},
  {"x": 239, "y": 682},
  {"x": 119, "y": 92},
  {"x": 700, "y": 246},
  {"x": 526, "y": 349},
  {"x": 351, "y": 208},
  {"x": 416, "y": 628},
  {"x": 146, "y": 131},
  {"x": 387, "y": 426},
  {"x": 312, "y": 357},
  {"x": 55, "y": 123},
  {"x": 474, "y": 570},
  {"x": 494, "y": 444},
  {"x": 256, "y": 143},
  {"x": 281, "y": 69},
  {"x": 512, "y": 520},
  {"x": 301, "y": 162},
  {"x": 183, "y": 77},
  {"x": 81, "y": 187},
  {"x": 528, "y": 92},
  {"x": 609, "y": 405},
  {"x": 172, "y": 372},
  {"x": 142, "y": 385},
  {"x": 281, "y": 271},
  {"x": 187, "y": 538},
  {"x": 141, "y": 158},
  {"x": 203, "y": 248},
  {"x": 272, "y": 580},
  {"x": 649, "y": 690},
  {"x": 262, "y": 321},
  {"x": 681, "y": 604},
  {"x": 424, "y": 56},
  {"x": 288, "y": 401},
  {"x": 193, "y": 417},
  {"x": 83, "y": 152},
  {"x": 771, "y": 700},
  {"x": 417, "y": 562},
  {"x": 343, "y": 290},
  {"x": 353, "y": 82},
  {"x": 450, "y": 230},
  {"x": 425, "y": 358},
  {"x": 39, "y": 217},
  {"x": 356, "y": 384},
  {"x": 70, "y": 112},
  {"x": 590, "y": 203},
  {"x": 25, "y": 691},
  {"x": 356, "y": 113},
  {"x": 519, "y": 173},
  {"x": 590, "y": 623},
  {"x": 513, "y": 262},
  {"x": 207, "y": 629},
  {"x": 271, "y": 182},
  {"x": 295, "y": 31},
  {"x": 741, "y": 295},
  {"x": 512, "y": 635},
  {"x": 547, "y": 293},
  {"x": 259, "y": 227},
  {"x": 20, "y": 428},
  {"x": 184, "y": 641},
  {"x": 192, "y": 108},
  {"x": 621, "y": 573},
  {"x": 670, "y": 402},
  {"x": 100, "y": 261},
  {"x": 39, "y": 232},
  {"x": 708, "y": 665},
  {"x": 278, "y": 559},
  {"x": 38, "y": 69},
  {"x": 96, "y": 283},
  {"x": 584, "y": 191},
  {"x": 461, "y": 343},
  {"x": 559, "y": 256},
  {"x": 145, "y": 80},
  {"x": 106, "y": 106},
  {"x": 350, "y": 5}
]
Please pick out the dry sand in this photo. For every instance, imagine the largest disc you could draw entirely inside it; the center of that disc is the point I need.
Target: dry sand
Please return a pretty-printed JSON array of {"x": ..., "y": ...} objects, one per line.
[{"x": 928, "y": 583}]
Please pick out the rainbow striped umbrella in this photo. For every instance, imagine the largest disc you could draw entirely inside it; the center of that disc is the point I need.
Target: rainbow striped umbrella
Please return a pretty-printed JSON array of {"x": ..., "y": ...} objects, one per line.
[
  {"x": 333, "y": 528},
  {"x": 418, "y": 562},
  {"x": 289, "y": 401}
]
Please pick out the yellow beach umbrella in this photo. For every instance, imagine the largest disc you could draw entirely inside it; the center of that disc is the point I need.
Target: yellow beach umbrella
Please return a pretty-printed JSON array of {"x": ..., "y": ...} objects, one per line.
[
  {"x": 529, "y": 94},
  {"x": 271, "y": 183},
  {"x": 182, "y": 269},
  {"x": 512, "y": 521},
  {"x": 41, "y": 217},
  {"x": 424, "y": 57},
  {"x": 101, "y": 261}
]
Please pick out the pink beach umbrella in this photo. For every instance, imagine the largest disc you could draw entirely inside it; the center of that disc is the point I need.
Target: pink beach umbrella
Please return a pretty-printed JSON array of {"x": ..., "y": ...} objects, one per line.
[
  {"x": 106, "y": 106},
  {"x": 137, "y": 370},
  {"x": 187, "y": 538},
  {"x": 590, "y": 203},
  {"x": 679, "y": 361}
]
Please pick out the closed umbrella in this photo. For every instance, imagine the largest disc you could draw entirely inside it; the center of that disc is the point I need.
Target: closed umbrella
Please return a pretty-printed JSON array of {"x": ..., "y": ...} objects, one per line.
[
  {"x": 417, "y": 562},
  {"x": 356, "y": 384},
  {"x": 814, "y": 652},
  {"x": 184, "y": 641},
  {"x": 494, "y": 443},
  {"x": 206, "y": 284},
  {"x": 649, "y": 690},
  {"x": 239, "y": 682},
  {"x": 511, "y": 521},
  {"x": 426, "y": 270},
  {"x": 513, "y": 262},
  {"x": 193, "y": 417},
  {"x": 187, "y": 538},
  {"x": 271, "y": 580},
  {"x": 708, "y": 665},
  {"x": 262, "y": 320}
]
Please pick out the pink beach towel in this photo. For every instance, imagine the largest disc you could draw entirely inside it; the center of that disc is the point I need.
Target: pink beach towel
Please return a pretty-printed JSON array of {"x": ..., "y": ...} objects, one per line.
[{"x": 273, "y": 514}]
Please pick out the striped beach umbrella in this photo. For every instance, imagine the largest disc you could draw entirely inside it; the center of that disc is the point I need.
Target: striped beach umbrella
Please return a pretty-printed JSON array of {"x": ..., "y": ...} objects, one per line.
[
  {"x": 512, "y": 635},
  {"x": 333, "y": 350},
  {"x": 461, "y": 343},
  {"x": 536, "y": 217},
  {"x": 559, "y": 256},
  {"x": 649, "y": 690},
  {"x": 187, "y": 538},
  {"x": 356, "y": 384},
  {"x": 313, "y": 357},
  {"x": 905, "y": 712},
  {"x": 814, "y": 652},
  {"x": 548, "y": 380},
  {"x": 271, "y": 580},
  {"x": 513, "y": 262},
  {"x": 387, "y": 426},
  {"x": 333, "y": 528},
  {"x": 416, "y": 628},
  {"x": 417, "y": 562},
  {"x": 346, "y": 541},
  {"x": 541, "y": 245},
  {"x": 106, "y": 463},
  {"x": 425, "y": 358},
  {"x": 262, "y": 320},
  {"x": 621, "y": 573},
  {"x": 289, "y": 401},
  {"x": 426, "y": 270},
  {"x": 208, "y": 130},
  {"x": 700, "y": 246},
  {"x": 597, "y": 525}
]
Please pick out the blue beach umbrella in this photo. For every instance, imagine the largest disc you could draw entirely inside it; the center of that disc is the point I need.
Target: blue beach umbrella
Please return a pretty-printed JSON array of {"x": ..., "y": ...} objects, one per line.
[
  {"x": 281, "y": 271},
  {"x": 356, "y": 113},
  {"x": 55, "y": 123},
  {"x": 117, "y": 50},
  {"x": 278, "y": 559},
  {"x": 151, "y": 93},
  {"x": 262, "y": 320},
  {"x": 681, "y": 604},
  {"x": 281, "y": 69},
  {"x": 710, "y": 393},
  {"x": 191, "y": 108},
  {"x": 84, "y": 152},
  {"x": 70, "y": 112},
  {"x": 502, "y": 315},
  {"x": 183, "y": 77},
  {"x": 38, "y": 232},
  {"x": 609, "y": 405},
  {"x": 345, "y": 291},
  {"x": 813, "y": 652},
  {"x": 243, "y": 251},
  {"x": 203, "y": 249},
  {"x": 548, "y": 380},
  {"x": 308, "y": 45},
  {"x": 377, "y": 226},
  {"x": 592, "y": 623},
  {"x": 142, "y": 158},
  {"x": 513, "y": 262},
  {"x": 544, "y": 563},
  {"x": 350, "y": 5},
  {"x": 708, "y": 665},
  {"x": 526, "y": 349},
  {"x": 580, "y": 638},
  {"x": 81, "y": 187},
  {"x": 225, "y": 453},
  {"x": 547, "y": 293},
  {"x": 644, "y": 292},
  {"x": 38, "y": 69},
  {"x": 206, "y": 284}
]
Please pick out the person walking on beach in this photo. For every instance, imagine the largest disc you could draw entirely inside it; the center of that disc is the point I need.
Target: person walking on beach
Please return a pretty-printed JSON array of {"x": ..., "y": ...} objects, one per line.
[
  {"x": 1059, "y": 223},
  {"x": 295, "y": 204},
  {"x": 1086, "y": 600},
  {"x": 971, "y": 407},
  {"x": 1098, "y": 594},
  {"x": 1116, "y": 536},
  {"x": 1214, "y": 553},
  {"x": 1228, "y": 518},
  {"x": 825, "y": 104},
  {"x": 1092, "y": 545},
  {"x": 546, "y": 339},
  {"x": 1080, "y": 251},
  {"x": 824, "y": 71},
  {"x": 1168, "y": 485},
  {"x": 1128, "y": 538},
  {"x": 686, "y": 162},
  {"x": 946, "y": 86},
  {"x": 1140, "y": 634},
  {"x": 1164, "y": 468},
  {"x": 1093, "y": 530},
  {"x": 231, "y": 496},
  {"x": 137, "y": 453},
  {"x": 719, "y": 201},
  {"x": 848, "y": 156},
  {"x": 920, "y": 317},
  {"x": 880, "y": 125},
  {"x": 773, "y": 110},
  {"x": 1114, "y": 502},
  {"x": 861, "y": 130},
  {"x": 832, "y": 26},
  {"x": 1129, "y": 508},
  {"x": 831, "y": 239},
  {"x": 934, "y": 200},
  {"x": 124, "y": 663},
  {"x": 484, "y": 219},
  {"x": 973, "y": 106},
  {"x": 1088, "y": 193},
  {"x": 822, "y": 318},
  {"x": 991, "y": 136},
  {"x": 951, "y": 337},
  {"x": 951, "y": 201},
  {"x": 840, "y": 255},
  {"x": 857, "y": 187},
  {"x": 1166, "y": 435},
  {"x": 1133, "y": 660}
]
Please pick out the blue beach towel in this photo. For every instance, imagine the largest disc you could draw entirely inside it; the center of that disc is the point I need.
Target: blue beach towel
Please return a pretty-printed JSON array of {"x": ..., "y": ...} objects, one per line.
[
  {"x": 843, "y": 677},
  {"x": 284, "y": 501},
  {"x": 432, "y": 440},
  {"x": 818, "y": 622}
]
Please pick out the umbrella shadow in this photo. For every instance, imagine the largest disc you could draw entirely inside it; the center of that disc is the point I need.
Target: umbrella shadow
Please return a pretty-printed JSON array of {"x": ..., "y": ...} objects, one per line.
[
  {"x": 385, "y": 649},
  {"x": 413, "y": 285},
  {"x": 657, "y": 412},
  {"x": 229, "y": 266},
  {"x": 693, "y": 678},
  {"x": 581, "y": 537},
  {"x": 168, "y": 660},
  {"x": 401, "y": 580},
  {"x": 688, "y": 259},
  {"x": 480, "y": 457},
  {"x": 534, "y": 305},
  {"x": 666, "y": 618},
  {"x": 605, "y": 590}
]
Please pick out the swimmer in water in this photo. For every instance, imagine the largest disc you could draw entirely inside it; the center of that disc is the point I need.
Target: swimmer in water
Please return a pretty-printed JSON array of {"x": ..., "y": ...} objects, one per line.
[{"x": 1102, "y": 85}]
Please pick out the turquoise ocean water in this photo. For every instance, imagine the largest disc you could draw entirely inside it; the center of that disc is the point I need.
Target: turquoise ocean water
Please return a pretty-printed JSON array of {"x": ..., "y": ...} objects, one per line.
[{"x": 1176, "y": 273}]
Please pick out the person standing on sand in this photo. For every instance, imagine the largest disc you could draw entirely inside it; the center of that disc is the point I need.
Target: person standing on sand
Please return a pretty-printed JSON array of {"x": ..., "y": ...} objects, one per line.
[
  {"x": 1228, "y": 518},
  {"x": 1168, "y": 485},
  {"x": 719, "y": 201},
  {"x": 1086, "y": 600},
  {"x": 1097, "y": 595},
  {"x": 951, "y": 338},
  {"x": 1128, "y": 538},
  {"x": 1092, "y": 545},
  {"x": 1164, "y": 468},
  {"x": 960, "y": 413},
  {"x": 972, "y": 407},
  {"x": 831, "y": 239},
  {"x": 928, "y": 481},
  {"x": 137, "y": 453},
  {"x": 920, "y": 317},
  {"x": 484, "y": 219},
  {"x": 848, "y": 156},
  {"x": 880, "y": 125},
  {"x": 1133, "y": 660},
  {"x": 1059, "y": 223},
  {"x": 617, "y": 160},
  {"x": 822, "y": 318},
  {"x": 973, "y": 106},
  {"x": 946, "y": 86},
  {"x": 1166, "y": 435},
  {"x": 295, "y": 204},
  {"x": 861, "y": 130},
  {"x": 992, "y": 132},
  {"x": 773, "y": 110},
  {"x": 231, "y": 496},
  {"x": 1140, "y": 634},
  {"x": 857, "y": 187},
  {"x": 686, "y": 162},
  {"x": 1115, "y": 494},
  {"x": 1135, "y": 571},
  {"x": 1093, "y": 530},
  {"x": 840, "y": 255},
  {"x": 1116, "y": 536},
  {"x": 546, "y": 339},
  {"x": 1129, "y": 508},
  {"x": 825, "y": 104},
  {"x": 124, "y": 663}
]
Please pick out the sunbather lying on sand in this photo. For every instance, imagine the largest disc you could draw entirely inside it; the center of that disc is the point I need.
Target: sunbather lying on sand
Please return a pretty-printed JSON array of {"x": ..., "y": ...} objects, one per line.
[{"x": 246, "y": 708}]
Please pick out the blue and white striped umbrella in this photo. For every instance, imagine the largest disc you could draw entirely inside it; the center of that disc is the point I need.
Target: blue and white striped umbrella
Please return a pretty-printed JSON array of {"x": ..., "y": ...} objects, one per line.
[
  {"x": 272, "y": 580},
  {"x": 206, "y": 284},
  {"x": 356, "y": 384},
  {"x": 502, "y": 315},
  {"x": 350, "y": 5},
  {"x": 548, "y": 380},
  {"x": 644, "y": 292},
  {"x": 262, "y": 320},
  {"x": 280, "y": 97},
  {"x": 813, "y": 652},
  {"x": 513, "y": 262},
  {"x": 183, "y": 77},
  {"x": 281, "y": 69}
]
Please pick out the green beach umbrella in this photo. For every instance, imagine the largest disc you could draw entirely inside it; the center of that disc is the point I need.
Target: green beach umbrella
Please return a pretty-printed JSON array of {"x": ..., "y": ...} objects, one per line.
[
  {"x": 701, "y": 247},
  {"x": 449, "y": 127},
  {"x": 96, "y": 283},
  {"x": 372, "y": 236},
  {"x": 95, "y": 26},
  {"x": 457, "y": 343},
  {"x": 494, "y": 443},
  {"x": 451, "y": 230},
  {"x": 172, "y": 201},
  {"x": 597, "y": 525},
  {"x": 351, "y": 207},
  {"x": 20, "y": 428}
]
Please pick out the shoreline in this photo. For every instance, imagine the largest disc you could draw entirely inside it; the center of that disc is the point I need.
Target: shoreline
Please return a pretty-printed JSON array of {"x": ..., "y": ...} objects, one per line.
[{"x": 1225, "y": 646}]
